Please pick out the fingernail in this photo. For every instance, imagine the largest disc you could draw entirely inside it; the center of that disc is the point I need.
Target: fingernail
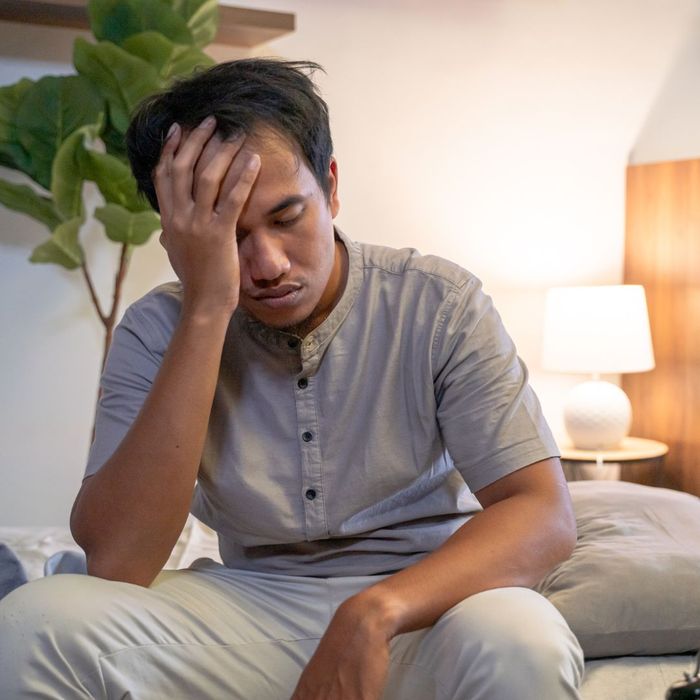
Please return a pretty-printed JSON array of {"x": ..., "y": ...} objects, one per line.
[
  {"x": 172, "y": 130},
  {"x": 206, "y": 123}
]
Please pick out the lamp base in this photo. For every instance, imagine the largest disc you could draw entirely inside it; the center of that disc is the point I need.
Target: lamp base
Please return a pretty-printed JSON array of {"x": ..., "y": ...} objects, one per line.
[
  {"x": 586, "y": 471},
  {"x": 597, "y": 415}
]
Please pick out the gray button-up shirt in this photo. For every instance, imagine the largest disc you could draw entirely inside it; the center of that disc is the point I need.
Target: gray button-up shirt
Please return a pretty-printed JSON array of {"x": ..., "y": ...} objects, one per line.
[{"x": 354, "y": 450}]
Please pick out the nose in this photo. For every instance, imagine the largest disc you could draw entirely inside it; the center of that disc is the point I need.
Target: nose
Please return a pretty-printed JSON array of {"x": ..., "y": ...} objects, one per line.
[{"x": 264, "y": 258}]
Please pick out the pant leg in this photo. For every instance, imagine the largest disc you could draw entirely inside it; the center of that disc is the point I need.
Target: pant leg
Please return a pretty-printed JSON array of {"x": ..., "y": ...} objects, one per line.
[
  {"x": 215, "y": 632},
  {"x": 501, "y": 644},
  {"x": 205, "y": 633}
]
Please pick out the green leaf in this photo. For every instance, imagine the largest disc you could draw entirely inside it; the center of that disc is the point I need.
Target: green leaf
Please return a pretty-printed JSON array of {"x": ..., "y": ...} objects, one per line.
[
  {"x": 123, "y": 79},
  {"x": 167, "y": 58},
  {"x": 66, "y": 176},
  {"x": 26, "y": 201},
  {"x": 50, "y": 110},
  {"x": 114, "y": 179},
  {"x": 123, "y": 226},
  {"x": 12, "y": 153},
  {"x": 116, "y": 20},
  {"x": 63, "y": 247},
  {"x": 114, "y": 142},
  {"x": 202, "y": 18},
  {"x": 77, "y": 162}
]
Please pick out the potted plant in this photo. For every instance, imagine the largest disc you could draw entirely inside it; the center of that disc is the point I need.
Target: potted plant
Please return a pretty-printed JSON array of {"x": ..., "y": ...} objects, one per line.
[{"x": 64, "y": 131}]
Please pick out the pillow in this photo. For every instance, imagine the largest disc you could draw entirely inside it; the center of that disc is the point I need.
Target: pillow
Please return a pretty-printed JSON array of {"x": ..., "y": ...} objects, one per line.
[
  {"x": 12, "y": 573},
  {"x": 632, "y": 585}
]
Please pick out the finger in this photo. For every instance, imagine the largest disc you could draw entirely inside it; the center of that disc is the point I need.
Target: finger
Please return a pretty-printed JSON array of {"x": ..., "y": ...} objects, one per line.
[
  {"x": 213, "y": 147},
  {"x": 185, "y": 160},
  {"x": 161, "y": 175},
  {"x": 209, "y": 174},
  {"x": 233, "y": 174},
  {"x": 231, "y": 203}
]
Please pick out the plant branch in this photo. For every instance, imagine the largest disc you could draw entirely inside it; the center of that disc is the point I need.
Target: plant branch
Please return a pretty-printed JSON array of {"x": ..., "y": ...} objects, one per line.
[
  {"x": 93, "y": 295},
  {"x": 118, "y": 283}
]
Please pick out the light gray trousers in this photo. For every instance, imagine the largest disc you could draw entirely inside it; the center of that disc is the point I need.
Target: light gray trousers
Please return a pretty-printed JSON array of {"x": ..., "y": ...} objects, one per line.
[{"x": 209, "y": 632}]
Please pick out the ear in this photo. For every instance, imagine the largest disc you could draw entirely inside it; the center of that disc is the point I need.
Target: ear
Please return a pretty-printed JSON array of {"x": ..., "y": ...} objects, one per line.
[{"x": 333, "y": 200}]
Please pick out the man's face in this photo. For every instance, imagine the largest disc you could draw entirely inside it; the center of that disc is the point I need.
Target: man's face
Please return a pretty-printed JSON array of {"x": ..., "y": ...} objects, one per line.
[{"x": 291, "y": 267}]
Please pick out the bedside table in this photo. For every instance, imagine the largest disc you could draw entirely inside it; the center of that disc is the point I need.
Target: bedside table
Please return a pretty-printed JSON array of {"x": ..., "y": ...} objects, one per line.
[{"x": 635, "y": 459}]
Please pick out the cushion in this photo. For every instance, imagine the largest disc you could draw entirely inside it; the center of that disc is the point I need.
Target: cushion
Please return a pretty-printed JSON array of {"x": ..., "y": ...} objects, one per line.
[
  {"x": 632, "y": 585},
  {"x": 12, "y": 573}
]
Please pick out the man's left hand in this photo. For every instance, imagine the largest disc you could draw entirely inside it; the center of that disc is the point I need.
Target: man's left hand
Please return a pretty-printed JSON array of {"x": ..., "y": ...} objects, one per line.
[{"x": 351, "y": 661}]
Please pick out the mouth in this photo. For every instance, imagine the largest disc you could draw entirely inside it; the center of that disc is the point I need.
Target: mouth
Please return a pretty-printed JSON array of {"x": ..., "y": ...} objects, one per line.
[{"x": 278, "y": 297}]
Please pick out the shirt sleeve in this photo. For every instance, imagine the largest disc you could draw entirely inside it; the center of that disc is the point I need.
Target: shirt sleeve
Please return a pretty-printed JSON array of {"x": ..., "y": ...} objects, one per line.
[
  {"x": 134, "y": 358},
  {"x": 491, "y": 421}
]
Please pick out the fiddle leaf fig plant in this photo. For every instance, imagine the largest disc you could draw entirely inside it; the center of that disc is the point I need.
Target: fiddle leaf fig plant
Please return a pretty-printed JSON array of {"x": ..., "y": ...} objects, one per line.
[{"x": 62, "y": 132}]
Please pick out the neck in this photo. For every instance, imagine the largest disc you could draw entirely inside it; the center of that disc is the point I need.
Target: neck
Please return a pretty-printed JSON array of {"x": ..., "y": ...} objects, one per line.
[{"x": 330, "y": 297}]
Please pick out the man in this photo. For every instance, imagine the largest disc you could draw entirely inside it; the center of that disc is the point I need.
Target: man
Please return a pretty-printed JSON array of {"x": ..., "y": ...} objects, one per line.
[{"x": 326, "y": 407}]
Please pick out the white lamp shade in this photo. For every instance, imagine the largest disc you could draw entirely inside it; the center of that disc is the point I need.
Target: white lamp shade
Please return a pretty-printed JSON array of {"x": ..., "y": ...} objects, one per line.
[{"x": 597, "y": 330}]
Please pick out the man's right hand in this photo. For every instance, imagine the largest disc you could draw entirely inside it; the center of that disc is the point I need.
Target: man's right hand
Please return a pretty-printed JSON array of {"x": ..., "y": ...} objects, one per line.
[
  {"x": 203, "y": 183},
  {"x": 127, "y": 517}
]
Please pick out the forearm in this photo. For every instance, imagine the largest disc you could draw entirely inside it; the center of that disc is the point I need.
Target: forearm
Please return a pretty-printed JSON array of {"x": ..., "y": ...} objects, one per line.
[
  {"x": 513, "y": 542},
  {"x": 127, "y": 517}
]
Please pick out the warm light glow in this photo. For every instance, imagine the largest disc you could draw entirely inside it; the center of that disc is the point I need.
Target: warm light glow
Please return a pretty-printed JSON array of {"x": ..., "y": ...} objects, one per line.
[{"x": 597, "y": 330}]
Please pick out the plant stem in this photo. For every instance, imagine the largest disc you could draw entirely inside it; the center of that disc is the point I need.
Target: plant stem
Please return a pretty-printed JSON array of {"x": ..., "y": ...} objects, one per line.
[
  {"x": 93, "y": 295},
  {"x": 108, "y": 321},
  {"x": 118, "y": 282}
]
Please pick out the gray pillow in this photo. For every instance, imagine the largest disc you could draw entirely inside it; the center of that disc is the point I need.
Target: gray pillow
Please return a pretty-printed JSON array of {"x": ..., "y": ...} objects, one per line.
[{"x": 632, "y": 585}]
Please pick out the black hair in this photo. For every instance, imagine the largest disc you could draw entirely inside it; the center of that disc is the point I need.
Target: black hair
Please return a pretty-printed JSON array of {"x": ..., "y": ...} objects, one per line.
[{"x": 243, "y": 95}]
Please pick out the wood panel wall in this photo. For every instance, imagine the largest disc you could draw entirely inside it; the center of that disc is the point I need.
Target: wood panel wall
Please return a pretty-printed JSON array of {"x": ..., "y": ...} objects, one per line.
[{"x": 662, "y": 252}]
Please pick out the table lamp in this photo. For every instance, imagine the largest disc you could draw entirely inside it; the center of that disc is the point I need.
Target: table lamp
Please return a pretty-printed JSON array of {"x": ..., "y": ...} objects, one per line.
[{"x": 597, "y": 330}]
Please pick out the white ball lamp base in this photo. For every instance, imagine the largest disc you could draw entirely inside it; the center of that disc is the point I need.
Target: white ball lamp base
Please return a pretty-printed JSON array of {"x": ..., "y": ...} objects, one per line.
[{"x": 597, "y": 415}]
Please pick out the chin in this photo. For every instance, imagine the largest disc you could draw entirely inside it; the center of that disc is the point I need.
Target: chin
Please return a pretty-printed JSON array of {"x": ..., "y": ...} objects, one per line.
[{"x": 289, "y": 321}]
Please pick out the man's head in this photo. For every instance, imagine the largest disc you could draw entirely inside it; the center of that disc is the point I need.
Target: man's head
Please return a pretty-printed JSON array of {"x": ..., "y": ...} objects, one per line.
[
  {"x": 245, "y": 96},
  {"x": 285, "y": 231}
]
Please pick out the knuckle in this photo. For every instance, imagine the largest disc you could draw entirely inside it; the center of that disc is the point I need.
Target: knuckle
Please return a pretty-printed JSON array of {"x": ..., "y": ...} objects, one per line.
[
  {"x": 161, "y": 169},
  {"x": 180, "y": 167},
  {"x": 237, "y": 198},
  {"x": 208, "y": 179}
]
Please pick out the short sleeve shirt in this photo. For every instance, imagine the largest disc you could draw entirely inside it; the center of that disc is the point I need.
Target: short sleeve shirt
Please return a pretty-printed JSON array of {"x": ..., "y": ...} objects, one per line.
[{"x": 357, "y": 449}]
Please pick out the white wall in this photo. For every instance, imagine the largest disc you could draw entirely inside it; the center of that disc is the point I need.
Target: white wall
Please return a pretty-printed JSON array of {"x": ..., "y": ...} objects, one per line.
[
  {"x": 671, "y": 130},
  {"x": 493, "y": 132}
]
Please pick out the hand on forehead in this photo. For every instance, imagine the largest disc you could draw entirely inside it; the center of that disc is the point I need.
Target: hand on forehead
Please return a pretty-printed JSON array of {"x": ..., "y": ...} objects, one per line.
[{"x": 262, "y": 140}]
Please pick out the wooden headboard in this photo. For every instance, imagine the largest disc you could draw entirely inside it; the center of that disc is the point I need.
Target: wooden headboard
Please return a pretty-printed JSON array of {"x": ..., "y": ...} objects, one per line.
[{"x": 662, "y": 252}]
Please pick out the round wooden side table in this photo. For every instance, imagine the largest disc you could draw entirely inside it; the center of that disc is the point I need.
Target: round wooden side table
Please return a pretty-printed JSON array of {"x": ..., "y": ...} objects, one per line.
[{"x": 635, "y": 459}]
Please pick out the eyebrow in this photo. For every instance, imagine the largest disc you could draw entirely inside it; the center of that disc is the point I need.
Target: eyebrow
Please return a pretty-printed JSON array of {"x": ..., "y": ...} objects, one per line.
[{"x": 285, "y": 203}]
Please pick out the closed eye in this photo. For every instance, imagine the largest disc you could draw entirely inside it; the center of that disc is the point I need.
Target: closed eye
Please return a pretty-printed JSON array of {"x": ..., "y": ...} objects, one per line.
[{"x": 283, "y": 223}]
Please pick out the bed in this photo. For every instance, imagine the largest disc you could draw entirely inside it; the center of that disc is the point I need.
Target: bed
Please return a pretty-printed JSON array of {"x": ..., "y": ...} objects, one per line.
[{"x": 630, "y": 591}]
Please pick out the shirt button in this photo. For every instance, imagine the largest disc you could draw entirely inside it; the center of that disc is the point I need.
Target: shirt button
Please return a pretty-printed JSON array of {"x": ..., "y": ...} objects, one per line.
[
  {"x": 307, "y": 436},
  {"x": 310, "y": 494},
  {"x": 293, "y": 342},
  {"x": 303, "y": 383}
]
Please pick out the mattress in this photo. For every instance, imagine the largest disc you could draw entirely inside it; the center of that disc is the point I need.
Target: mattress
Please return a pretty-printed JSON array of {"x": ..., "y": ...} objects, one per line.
[{"x": 633, "y": 677}]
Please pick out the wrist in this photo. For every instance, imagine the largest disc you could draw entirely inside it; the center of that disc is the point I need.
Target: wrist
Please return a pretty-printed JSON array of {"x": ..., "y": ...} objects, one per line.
[
  {"x": 206, "y": 313},
  {"x": 377, "y": 609}
]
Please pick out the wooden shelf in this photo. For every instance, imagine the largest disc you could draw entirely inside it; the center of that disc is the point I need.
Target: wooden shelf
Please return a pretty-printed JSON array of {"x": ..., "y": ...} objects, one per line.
[{"x": 238, "y": 26}]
